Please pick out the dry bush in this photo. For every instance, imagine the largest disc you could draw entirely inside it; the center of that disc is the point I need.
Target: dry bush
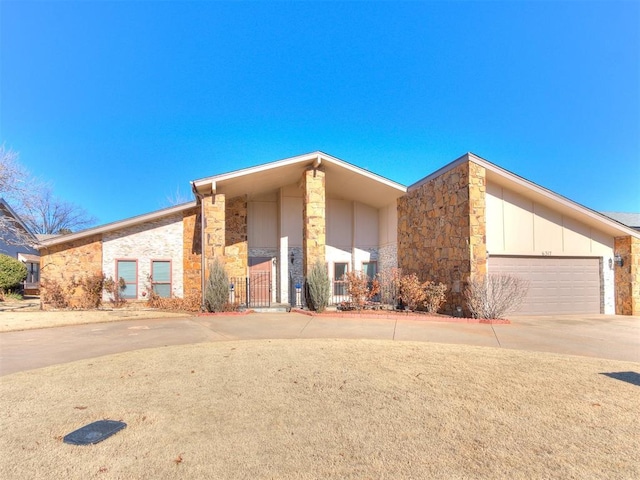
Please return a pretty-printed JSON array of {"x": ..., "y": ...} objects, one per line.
[
  {"x": 114, "y": 288},
  {"x": 436, "y": 294},
  {"x": 412, "y": 292},
  {"x": 92, "y": 287},
  {"x": 55, "y": 294},
  {"x": 357, "y": 284},
  {"x": 495, "y": 295},
  {"x": 190, "y": 302},
  {"x": 389, "y": 286}
]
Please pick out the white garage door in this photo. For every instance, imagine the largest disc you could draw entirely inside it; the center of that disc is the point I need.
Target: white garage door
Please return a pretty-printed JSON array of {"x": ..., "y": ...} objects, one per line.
[{"x": 556, "y": 284}]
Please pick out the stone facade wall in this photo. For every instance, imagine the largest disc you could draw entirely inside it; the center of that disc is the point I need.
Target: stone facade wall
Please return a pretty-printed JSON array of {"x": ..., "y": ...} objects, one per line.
[
  {"x": 214, "y": 229},
  {"x": 192, "y": 251},
  {"x": 159, "y": 239},
  {"x": 388, "y": 257},
  {"x": 236, "y": 246},
  {"x": 627, "y": 277},
  {"x": 313, "y": 218},
  {"x": 72, "y": 260},
  {"x": 442, "y": 230}
]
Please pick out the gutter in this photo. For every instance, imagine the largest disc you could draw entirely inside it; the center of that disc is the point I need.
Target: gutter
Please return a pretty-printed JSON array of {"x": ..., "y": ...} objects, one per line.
[{"x": 200, "y": 198}]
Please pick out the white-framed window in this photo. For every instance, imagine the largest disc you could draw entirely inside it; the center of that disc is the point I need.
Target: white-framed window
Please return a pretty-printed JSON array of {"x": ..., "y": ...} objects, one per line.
[{"x": 339, "y": 285}]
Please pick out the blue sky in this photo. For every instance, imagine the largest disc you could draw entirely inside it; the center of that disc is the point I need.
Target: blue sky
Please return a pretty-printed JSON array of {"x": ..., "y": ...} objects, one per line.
[{"x": 120, "y": 104}]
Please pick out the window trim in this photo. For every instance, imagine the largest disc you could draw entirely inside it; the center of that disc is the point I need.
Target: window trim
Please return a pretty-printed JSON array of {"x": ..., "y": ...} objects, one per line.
[
  {"x": 117, "y": 279},
  {"x": 153, "y": 282}
]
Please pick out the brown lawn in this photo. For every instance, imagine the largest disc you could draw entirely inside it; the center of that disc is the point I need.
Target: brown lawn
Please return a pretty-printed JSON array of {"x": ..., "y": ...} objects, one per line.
[{"x": 306, "y": 409}]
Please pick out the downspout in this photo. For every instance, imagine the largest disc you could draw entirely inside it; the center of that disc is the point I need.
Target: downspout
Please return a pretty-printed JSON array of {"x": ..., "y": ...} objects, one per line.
[{"x": 200, "y": 198}]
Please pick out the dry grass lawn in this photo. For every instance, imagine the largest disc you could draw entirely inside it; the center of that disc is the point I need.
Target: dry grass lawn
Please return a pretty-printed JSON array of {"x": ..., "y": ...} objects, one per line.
[{"x": 302, "y": 409}]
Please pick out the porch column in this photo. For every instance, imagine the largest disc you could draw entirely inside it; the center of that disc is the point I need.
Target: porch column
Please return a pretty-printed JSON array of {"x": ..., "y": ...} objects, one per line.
[
  {"x": 236, "y": 251},
  {"x": 313, "y": 219},
  {"x": 214, "y": 229}
]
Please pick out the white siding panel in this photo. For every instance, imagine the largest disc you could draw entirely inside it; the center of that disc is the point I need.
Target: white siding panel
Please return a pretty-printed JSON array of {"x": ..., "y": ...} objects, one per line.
[{"x": 262, "y": 224}]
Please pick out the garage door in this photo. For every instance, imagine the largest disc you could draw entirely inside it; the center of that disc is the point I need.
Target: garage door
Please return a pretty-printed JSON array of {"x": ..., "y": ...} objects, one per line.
[{"x": 556, "y": 284}]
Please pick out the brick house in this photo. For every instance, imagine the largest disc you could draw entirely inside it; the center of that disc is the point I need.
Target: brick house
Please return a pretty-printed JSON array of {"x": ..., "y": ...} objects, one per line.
[{"x": 269, "y": 223}]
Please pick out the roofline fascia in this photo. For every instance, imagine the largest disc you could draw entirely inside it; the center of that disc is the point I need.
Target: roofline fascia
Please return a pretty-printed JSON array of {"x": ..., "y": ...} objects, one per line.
[
  {"x": 316, "y": 157},
  {"x": 545, "y": 192},
  {"x": 128, "y": 222},
  {"x": 17, "y": 218}
]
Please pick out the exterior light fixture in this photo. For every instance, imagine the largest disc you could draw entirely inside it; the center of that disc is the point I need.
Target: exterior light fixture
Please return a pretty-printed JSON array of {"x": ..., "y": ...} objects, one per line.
[
  {"x": 292, "y": 258},
  {"x": 610, "y": 263},
  {"x": 617, "y": 258}
]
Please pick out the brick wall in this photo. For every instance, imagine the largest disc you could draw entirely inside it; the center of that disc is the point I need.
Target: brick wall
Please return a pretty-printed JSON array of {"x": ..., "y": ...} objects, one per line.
[
  {"x": 627, "y": 277},
  {"x": 159, "y": 239},
  {"x": 73, "y": 260},
  {"x": 442, "y": 230}
]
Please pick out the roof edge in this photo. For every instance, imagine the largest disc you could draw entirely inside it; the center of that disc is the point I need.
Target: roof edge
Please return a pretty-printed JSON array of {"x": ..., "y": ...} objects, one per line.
[{"x": 108, "y": 227}]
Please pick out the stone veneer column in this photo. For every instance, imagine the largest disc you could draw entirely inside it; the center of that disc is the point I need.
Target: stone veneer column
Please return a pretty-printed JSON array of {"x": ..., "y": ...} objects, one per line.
[
  {"x": 627, "y": 277},
  {"x": 192, "y": 251},
  {"x": 313, "y": 219},
  {"x": 236, "y": 251},
  {"x": 442, "y": 230},
  {"x": 214, "y": 229}
]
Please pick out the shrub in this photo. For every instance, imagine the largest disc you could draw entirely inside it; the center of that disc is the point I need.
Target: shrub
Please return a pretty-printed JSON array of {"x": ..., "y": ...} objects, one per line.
[
  {"x": 360, "y": 288},
  {"x": 436, "y": 294},
  {"x": 216, "y": 297},
  {"x": 495, "y": 295},
  {"x": 55, "y": 294},
  {"x": 412, "y": 292},
  {"x": 114, "y": 289},
  {"x": 92, "y": 286},
  {"x": 319, "y": 287},
  {"x": 190, "y": 302},
  {"x": 12, "y": 273},
  {"x": 389, "y": 283}
]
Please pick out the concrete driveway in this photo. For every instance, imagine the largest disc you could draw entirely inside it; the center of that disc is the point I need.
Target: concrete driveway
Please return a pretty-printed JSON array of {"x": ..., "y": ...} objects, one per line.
[{"x": 602, "y": 336}]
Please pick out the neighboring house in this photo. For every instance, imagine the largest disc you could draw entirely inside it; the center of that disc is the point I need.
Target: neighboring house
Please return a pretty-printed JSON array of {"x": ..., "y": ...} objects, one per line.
[
  {"x": 17, "y": 241},
  {"x": 631, "y": 220},
  {"x": 270, "y": 223}
]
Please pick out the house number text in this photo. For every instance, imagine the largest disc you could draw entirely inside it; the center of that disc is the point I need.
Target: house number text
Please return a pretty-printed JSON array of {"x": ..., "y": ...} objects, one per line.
[{"x": 546, "y": 253}]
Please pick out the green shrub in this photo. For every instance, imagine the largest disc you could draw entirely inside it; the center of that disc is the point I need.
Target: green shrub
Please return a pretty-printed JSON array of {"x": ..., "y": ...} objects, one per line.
[
  {"x": 216, "y": 297},
  {"x": 319, "y": 287},
  {"x": 12, "y": 273}
]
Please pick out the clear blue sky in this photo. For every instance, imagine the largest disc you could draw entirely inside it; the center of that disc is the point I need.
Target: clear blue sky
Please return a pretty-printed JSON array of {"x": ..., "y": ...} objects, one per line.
[{"x": 121, "y": 103}]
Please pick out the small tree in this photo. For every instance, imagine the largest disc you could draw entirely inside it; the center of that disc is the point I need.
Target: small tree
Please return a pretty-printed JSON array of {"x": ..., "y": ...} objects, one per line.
[
  {"x": 12, "y": 273},
  {"x": 495, "y": 295},
  {"x": 216, "y": 297},
  {"x": 319, "y": 287}
]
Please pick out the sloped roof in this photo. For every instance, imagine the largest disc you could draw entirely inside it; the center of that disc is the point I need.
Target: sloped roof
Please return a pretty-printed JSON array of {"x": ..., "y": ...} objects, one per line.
[
  {"x": 109, "y": 227},
  {"x": 342, "y": 180},
  {"x": 629, "y": 219},
  {"x": 539, "y": 194}
]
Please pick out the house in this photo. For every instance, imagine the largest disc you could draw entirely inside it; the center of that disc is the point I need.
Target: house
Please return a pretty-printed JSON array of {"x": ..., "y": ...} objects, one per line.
[
  {"x": 17, "y": 241},
  {"x": 271, "y": 222}
]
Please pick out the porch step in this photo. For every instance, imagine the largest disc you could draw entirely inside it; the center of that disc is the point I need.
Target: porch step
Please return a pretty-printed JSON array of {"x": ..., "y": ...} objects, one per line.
[{"x": 274, "y": 308}]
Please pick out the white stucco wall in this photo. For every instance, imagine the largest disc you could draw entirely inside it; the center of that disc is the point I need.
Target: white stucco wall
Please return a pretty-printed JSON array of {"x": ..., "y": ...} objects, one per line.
[
  {"x": 516, "y": 225},
  {"x": 160, "y": 239}
]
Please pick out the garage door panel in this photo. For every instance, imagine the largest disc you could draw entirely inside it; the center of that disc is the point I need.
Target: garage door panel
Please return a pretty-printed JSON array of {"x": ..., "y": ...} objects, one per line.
[{"x": 556, "y": 284}]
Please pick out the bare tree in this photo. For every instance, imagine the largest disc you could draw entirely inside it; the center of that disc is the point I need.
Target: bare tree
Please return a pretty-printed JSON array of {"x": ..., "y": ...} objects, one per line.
[
  {"x": 34, "y": 203},
  {"x": 495, "y": 295},
  {"x": 42, "y": 212}
]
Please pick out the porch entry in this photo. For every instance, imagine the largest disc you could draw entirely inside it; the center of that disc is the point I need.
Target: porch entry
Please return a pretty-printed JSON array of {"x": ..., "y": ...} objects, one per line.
[{"x": 256, "y": 289}]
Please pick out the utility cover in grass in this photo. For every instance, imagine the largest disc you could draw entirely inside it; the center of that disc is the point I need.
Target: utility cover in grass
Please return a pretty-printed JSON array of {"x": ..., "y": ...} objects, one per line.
[{"x": 94, "y": 432}]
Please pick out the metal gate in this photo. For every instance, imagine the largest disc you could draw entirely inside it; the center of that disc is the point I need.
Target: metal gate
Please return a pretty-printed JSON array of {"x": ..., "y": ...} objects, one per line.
[{"x": 251, "y": 291}]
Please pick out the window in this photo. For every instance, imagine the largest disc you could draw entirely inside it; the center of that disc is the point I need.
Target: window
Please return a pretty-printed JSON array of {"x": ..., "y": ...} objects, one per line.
[
  {"x": 127, "y": 270},
  {"x": 33, "y": 272},
  {"x": 339, "y": 287},
  {"x": 161, "y": 277},
  {"x": 370, "y": 269}
]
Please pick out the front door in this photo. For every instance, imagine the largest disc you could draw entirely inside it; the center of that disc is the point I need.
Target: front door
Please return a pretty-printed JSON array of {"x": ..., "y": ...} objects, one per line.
[{"x": 260, "y": 281}]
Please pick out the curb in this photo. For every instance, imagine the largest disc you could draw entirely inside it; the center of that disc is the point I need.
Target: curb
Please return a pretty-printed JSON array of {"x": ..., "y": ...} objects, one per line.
[{"x": 409, "y": 316}]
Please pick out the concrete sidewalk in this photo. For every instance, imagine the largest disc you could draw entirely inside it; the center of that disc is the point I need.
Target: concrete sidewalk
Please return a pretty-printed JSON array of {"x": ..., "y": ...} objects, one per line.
[{"x": 603, "y": 336}]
